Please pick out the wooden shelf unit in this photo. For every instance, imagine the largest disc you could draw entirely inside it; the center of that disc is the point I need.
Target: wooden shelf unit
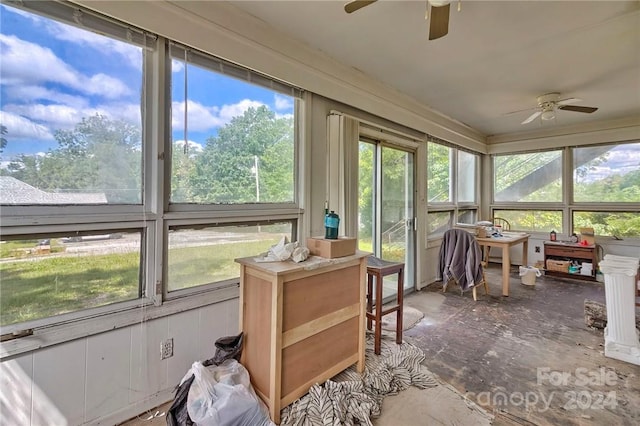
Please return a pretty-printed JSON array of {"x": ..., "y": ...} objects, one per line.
[
  {"x": 571, "y": 252},
  {"x": 303, "y": 323}
]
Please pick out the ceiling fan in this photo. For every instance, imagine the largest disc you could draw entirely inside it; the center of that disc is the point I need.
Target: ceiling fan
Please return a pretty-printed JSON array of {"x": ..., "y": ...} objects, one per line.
[
  {"x": 438, "y": 10},
  {"x": 549, "y": 103}
]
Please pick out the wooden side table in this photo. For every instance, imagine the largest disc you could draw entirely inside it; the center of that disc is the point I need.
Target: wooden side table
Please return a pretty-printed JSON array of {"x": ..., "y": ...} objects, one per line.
[{"x": 378, "y": 269}]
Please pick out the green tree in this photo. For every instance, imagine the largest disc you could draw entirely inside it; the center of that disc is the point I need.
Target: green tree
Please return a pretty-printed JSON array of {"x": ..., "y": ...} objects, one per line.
[
  {"x": 3, "y": 140},
  {"x": 438, "y": 173},
  {"x": 99, "y": 155},
  {"x": 225, "y": 171}
]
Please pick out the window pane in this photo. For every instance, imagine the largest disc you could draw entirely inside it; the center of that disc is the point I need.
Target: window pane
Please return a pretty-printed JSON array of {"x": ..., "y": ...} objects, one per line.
[
  {"x": 70, "y": 114},
  {"x": 467, "y": 216},
  {"x": 204, "y": 256},
  {"x": 466, "y": 177},
  {"x": 607, "y": 173},
  {"x": 43, "y": 276},
  {"x": 534, "y": 177},
  {"x": 438, "y": 222},
  {"x": 240, "y": 140},
  {"x": 438, "y": 173},
  {"x": 610, "y": 224},
  {"x": 366, "y": 193},
  {"x": 532, "y": 220}
]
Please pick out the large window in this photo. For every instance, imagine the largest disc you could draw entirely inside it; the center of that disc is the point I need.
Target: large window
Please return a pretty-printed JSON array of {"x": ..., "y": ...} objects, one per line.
[
  {"x": 204, "y": 256},
  {"x": 71, "y": 114},
  {"x": 532, "y": 177},
  {"x": 46, "y": 276},
  {"x": 607, "y": 174},
  {"x": 233, "y": 141},
  {"x": 439, "y": 173},
  {"x": 452, "y": 181},
  {"x": 100, "y": 216},
  {"x": 602, "y": 190}
]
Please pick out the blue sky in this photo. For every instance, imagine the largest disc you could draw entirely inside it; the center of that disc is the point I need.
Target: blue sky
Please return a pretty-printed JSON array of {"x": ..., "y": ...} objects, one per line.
[{"x": 53, "y": 75}]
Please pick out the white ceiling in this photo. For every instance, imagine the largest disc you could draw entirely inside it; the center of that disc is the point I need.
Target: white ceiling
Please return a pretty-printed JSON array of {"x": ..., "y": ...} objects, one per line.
[{"x": 497, "y": 58}]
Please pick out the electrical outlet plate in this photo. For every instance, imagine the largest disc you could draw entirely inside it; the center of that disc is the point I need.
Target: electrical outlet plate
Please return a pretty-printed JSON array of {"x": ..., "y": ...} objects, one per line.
[{"x": 166, "y": 349}]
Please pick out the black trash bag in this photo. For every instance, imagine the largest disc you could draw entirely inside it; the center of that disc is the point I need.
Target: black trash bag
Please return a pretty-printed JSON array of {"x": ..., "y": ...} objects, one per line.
[
  {"x": 177, "y": 415},
  {"x": 226, "y": 348}
]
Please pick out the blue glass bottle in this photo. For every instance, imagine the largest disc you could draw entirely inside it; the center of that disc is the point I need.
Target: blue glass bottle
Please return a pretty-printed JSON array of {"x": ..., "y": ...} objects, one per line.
[{"x": 331, "y": 223}]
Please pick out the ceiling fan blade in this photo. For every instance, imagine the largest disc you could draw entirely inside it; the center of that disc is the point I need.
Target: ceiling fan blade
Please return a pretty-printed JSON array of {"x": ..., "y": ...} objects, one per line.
[
  {"x": 568, "y": 101},
  {"x": 532, "y": 117},
  {"x": 352, "y": 6},
  {"x": 520, "y": 110},
  {"x": 439, "y": 25},
  {"x": 576, "y": 108}
]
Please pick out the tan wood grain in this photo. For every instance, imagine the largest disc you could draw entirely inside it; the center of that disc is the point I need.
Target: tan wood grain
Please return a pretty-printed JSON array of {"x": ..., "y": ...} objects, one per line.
[
  {"x": 318, "y": 354},
  {"x": 312, "y": 327},
  {"x": 318, "y": 295}
]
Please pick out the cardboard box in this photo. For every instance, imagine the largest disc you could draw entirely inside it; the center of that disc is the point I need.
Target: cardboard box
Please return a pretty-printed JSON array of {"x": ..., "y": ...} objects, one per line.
[
  {"x": 343, "y": 246},
  {"x": 587, "y": 234}
]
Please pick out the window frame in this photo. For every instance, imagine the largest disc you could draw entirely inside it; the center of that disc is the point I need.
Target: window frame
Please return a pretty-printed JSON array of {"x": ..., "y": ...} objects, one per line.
[
  {"x": 568, "y": 206},
  {"x": 153, "y": 217},
  {"x": 455, "y": 207}
]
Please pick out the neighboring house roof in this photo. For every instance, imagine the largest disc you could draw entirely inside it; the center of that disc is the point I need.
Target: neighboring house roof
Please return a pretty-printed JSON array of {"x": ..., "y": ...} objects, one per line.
[{"x": 14, "y": 191}]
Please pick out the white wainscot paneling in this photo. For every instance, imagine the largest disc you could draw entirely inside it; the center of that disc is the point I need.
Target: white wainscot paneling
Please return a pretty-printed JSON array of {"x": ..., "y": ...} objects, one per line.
[
  {"x": 59, "y": 374},
  {"x": 148, "y": 371},
  {"x": 183, "y": 328},
  {"x": 216, "y": 321},
  {"x": 108, "y": 368},
  {"x": 16, "y": 392}
]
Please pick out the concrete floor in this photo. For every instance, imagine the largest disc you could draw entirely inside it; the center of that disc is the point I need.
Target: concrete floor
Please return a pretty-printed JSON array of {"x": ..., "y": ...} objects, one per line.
[{"x": 528, "y": 359}]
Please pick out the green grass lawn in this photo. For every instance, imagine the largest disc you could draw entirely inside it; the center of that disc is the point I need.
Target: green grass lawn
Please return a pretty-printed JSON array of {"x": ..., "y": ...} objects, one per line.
[{"x": 42, "y": 286}]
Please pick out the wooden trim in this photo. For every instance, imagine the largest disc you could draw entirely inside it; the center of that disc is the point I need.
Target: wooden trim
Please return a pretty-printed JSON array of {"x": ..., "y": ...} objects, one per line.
[
  {"x": 362, "y": 313},
  {"x": 311, "y": 328},
  {"x": 257, "y": 273},
  {"x": 275, "y": 378},
  {"x": 315, "y": 271}
]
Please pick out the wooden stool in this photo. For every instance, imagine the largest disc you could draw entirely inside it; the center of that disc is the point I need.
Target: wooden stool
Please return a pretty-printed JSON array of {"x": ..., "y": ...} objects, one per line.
[{"x": 379, "y": 268}]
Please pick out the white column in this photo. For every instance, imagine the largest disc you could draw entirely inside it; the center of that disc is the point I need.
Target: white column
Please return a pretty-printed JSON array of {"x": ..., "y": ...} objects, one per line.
[{"x": 620, "y": 336}]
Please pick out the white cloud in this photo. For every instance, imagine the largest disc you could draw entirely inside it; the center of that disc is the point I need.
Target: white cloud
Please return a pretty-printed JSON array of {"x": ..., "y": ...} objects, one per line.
[
  {"x": 132, "y": 54},
  {"x": 80, "y": 36},
  {"x": 27, "y": 93},
  {"x": 193, "y": 146},
  {"x": 27, "y": 63},
  {"x": 109, "y": 87},
  {"x": 51, "y": 116},
  {"x": 283, "y": 102},
  {"x": 22, "y": 128},
  {"x": 65, "y": 117},
  {"x": 176, "y": 66},
  {"x": 289, "y": 115},
  {"x": 202, "y": 118}
]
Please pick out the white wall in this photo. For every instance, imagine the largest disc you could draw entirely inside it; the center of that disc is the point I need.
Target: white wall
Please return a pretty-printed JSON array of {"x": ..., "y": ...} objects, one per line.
[{"x": 110, "y": 377}]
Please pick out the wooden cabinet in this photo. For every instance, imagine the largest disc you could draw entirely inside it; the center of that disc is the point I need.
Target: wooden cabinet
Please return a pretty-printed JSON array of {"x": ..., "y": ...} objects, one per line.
[
  {"x": 569, "y": 252},
  {"x": 303, "y": 323}
]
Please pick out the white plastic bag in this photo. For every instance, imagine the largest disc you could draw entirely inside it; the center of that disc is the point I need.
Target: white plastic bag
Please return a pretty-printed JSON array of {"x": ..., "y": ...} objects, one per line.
[
  {"x": 223, "y": 396},
  {"x": 278, "y": 252}
]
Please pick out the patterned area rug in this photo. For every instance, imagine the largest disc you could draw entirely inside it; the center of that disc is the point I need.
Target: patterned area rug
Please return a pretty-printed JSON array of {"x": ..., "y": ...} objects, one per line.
[
  {"x": 410, "y": 317},
  {"x": 353, "y": 399}
]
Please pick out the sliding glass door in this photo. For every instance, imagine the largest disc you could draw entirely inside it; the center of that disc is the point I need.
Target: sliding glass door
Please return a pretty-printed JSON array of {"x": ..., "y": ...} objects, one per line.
[{"x": 386, "y": 217}]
